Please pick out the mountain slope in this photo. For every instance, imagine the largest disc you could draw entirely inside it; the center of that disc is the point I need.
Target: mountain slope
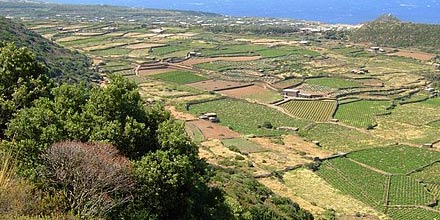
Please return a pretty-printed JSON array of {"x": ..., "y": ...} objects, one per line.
[
  {"x": 64, "y": 65},
  {"x": 389, "y": 31}
]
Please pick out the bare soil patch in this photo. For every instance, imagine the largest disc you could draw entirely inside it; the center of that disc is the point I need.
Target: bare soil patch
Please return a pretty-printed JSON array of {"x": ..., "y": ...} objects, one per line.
[
  {"x": 180, "y": 115},
  {"x": 148, "y": 72},
  {"x": 243, "y": 92},
  {"x": 277, "y": 157},
  {"x": 216, "y": 85},
  {"x": 195, "y": 61},
  {"x": 214, "y": 131},
  {"x": 299, "y": 144},
  {"x": 414, "y": 54}
]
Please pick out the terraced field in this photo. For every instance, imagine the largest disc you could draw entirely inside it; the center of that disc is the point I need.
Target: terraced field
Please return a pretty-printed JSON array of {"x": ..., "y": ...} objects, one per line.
[
  {"x": 362, "y": 176},
  {"x": 362, "y": 113},
  {"x": 396, "y": 159},
  {"x": 247, "y": 118},
  {"x": 351, "y": 178},
  {"x": 337, "y": 83},
  {"x": 413, "y": 214},
  {"x": 405, "y": 190},
  {"x": 312, "y": 110},
  {"x": 179, "y": 77},
  {"x": 339, "y": 138}
]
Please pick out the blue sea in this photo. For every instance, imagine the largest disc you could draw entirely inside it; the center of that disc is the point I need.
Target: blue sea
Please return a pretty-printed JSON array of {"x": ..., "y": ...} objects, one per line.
[{"x": 328, "y": 11}]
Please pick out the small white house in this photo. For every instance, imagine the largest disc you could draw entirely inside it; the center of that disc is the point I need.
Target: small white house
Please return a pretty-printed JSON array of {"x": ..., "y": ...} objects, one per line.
[{"x": 290, "y": 93}]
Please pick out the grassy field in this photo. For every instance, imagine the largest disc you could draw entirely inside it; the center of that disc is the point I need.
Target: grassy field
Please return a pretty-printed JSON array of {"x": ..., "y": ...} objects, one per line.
[
  {"x": 338, "y": 138},
  {"x": 179, "y": 77},
  {"x": 233, "y": 50},
  {"x": 361, "y": 114},
  {"x": 397, "y": 159},
  {"x": 242, "y": 145},
  {"x": 420, "y": 113},
  {"x": 267, "y": 97},
  {"x": 312, "y": 110},
  {"x": 247, "y": 118},
  {"x": 334, "y": 82}
]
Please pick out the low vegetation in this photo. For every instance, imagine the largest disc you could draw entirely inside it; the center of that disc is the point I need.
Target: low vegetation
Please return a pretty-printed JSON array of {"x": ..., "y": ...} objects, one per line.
[
  {"x": 247, "y": 118},
  {"x": 179, "y": 77},
  {"x": 312, "y": 110}
]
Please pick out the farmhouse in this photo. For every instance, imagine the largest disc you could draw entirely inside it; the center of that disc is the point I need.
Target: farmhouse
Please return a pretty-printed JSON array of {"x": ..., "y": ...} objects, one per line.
[
  {"x": 212, "y": 117},
  {"x": 294, "y": 93},
  {"x": 193, "y": 54},
  {"x": 289, "y": 93}
]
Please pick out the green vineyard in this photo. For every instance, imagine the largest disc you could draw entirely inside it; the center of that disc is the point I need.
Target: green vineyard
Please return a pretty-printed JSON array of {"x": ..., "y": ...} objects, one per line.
[
  {"x": 361, "y": 114},
  {"x": 350, "y": 178},
  {"x": 312, "y": 110},
  {"x": 405, "y": 190},
  {"x": 413, "y": 214},
  {"x": 390, "y": 159}
]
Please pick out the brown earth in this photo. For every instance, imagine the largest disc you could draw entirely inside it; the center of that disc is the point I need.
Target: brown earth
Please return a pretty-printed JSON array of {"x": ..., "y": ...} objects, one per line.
[
  {"x": 214, "y": 131},
  {"x": 299, "y": 144},
  {"x": 149, "y": 72},
  {"x": 414, "y": 54},
  {"x": 179, "y": 115},
  {"x": 243, "y": 92},
  {"x": 214, "y": 85}
]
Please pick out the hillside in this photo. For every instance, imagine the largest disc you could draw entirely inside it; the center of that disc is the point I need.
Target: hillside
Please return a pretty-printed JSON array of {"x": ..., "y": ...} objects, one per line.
[
  {"x": 63, "y": 64},
  {"x": 35, "y": 9},
  {"x": 389, "y": 31}
]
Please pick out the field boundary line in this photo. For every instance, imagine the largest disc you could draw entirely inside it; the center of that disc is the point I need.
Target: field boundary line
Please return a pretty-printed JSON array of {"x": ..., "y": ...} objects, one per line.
[
  {"x": 348, "y": 180},
  {"x": 387, "y": 190},
  {"x": 422, "y": 167},
  {"x": 370, "y": 167}
]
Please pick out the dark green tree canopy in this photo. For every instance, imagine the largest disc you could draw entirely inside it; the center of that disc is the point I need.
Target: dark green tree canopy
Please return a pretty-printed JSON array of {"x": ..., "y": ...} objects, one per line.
[{"x": 22, "y": 80}]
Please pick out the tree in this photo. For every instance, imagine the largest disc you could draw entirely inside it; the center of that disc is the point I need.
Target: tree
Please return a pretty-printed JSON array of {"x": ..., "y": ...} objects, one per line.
[
  {"x": 114, "y": 114},
  {"x": 22, "y": 80},
  {"x": 166, "y": 181},
  {"x": 93, "y": 178}
]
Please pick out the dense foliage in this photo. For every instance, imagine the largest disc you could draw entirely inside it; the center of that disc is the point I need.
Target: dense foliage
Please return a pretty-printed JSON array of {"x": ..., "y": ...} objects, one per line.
[
  {"x": 391, "y": 32},
  {"x": 22, "y": 80},
  {"x": 99, "y": 152},
  {"x": 64, "y": 65}
]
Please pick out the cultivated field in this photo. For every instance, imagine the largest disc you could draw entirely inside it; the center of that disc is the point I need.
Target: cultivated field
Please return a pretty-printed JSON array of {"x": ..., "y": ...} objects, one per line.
[
  {"x": 217, "y": 85},
  {"x": 362, "y": 113},
  {"x": 247, "y": 118},
  {"x": 312, "y": 110}
]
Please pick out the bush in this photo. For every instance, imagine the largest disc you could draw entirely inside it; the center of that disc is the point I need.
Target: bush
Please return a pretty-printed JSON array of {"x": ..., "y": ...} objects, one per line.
[
  {"x": 238, "y": 157},
  {"x": 92, "y": 178},
  {"x": 267, "y": 125}
]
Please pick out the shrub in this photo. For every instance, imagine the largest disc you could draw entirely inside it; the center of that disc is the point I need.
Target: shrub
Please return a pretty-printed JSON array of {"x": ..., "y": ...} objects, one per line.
[
  {"x": 267, "y": 125},
  {"x": 238, "y": 157},
  {"x": 92, "y": 178}
]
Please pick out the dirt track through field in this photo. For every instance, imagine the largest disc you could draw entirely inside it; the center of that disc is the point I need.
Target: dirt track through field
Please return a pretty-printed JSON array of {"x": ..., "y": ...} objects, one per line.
[{"x": 214, "y": 131}]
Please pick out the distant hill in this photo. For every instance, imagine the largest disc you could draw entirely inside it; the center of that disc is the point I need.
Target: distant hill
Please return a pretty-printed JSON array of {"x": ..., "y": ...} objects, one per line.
[
  {"x": 27, "y": 8},
  {"x": 387, "y": 30},
  {"x": 64, "y": 65}
]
